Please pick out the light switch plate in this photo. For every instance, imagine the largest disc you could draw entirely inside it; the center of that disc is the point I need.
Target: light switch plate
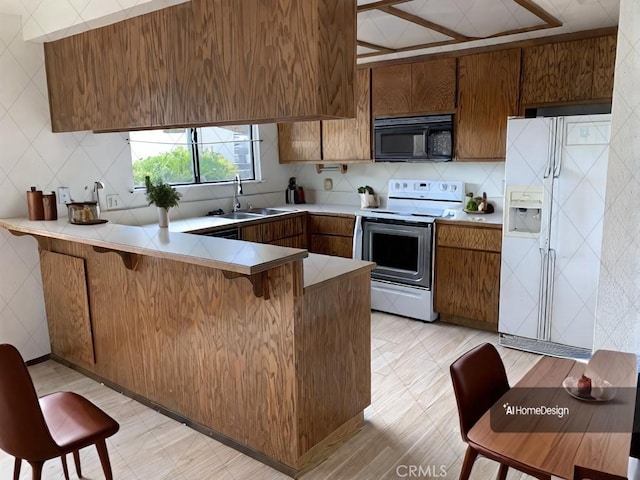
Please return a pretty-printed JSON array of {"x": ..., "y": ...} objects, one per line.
[
  {"x": 113, "y": 201},
  {"x": 64, "y": 195}
]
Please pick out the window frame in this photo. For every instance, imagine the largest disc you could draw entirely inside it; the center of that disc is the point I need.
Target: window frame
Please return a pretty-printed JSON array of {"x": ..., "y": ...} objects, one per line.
[{"x": 192, "y": 145}]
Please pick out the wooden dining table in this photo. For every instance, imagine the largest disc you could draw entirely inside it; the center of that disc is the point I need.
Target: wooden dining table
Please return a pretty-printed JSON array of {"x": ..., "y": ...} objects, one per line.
[{"x": 594, "y": 434}]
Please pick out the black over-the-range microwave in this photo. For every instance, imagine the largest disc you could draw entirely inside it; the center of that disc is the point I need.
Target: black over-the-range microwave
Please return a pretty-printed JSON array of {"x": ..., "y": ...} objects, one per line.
[{"x": 414, "y": 139}]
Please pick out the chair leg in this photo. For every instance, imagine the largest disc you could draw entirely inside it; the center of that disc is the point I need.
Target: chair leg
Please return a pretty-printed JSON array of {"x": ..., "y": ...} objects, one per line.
[
  {"x": 16, "y": 468},
  {"x": 502, "y": 472},
  {"x": 467, "y": 464},
  {"x": 65, "y": 470},
  {"x": 76, "y": 460},
  {"x": 36, "y": 468},
  {"x": 101, "y": 446}
]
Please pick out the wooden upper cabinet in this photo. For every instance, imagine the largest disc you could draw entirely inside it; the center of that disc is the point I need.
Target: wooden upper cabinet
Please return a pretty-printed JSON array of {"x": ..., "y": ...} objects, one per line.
[
  {"x": 350, "y": 139},
  {"x": 299, "y": 142},
  {"x": 391, "y": 90},
  {"x": 488, "y": 92},
  {"x": 207, "y": 62},
  {"x": 568, "y": 72},
  {"x": 414, "y": 88},
  {"x": 433, "y": 86},
  {"x": 604, "y": 62},
  {"x": 331, "y": 141},
  {"x": 72, "y": 90}
]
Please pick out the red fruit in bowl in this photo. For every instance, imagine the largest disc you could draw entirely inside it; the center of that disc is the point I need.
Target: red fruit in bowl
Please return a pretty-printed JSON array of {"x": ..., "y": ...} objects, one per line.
[{"x": 584, "y": 386}]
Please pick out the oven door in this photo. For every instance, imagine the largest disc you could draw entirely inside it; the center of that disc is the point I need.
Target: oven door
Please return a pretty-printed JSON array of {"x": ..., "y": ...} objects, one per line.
[{"x": 401, "y": 250}]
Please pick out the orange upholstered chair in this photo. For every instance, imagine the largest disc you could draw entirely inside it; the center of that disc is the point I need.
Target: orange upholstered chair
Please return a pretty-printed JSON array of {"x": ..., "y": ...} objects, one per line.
[{"x": 37, "y": 430}]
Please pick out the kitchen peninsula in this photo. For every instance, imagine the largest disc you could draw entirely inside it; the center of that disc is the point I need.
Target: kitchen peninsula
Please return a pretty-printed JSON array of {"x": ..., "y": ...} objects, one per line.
[{"x": 265, "y": 348}]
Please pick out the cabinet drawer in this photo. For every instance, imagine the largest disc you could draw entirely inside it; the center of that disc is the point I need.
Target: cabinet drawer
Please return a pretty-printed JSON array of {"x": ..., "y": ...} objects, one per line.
[
  {"x": 336, "y": 246},
  {"x": 329, "y": 225},
  {"x": 470, "y": 238},
  {"x": 267, "y": 232}
]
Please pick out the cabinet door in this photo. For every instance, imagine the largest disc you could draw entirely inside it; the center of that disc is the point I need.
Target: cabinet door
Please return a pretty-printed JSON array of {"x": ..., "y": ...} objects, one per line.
[
  {"x": 391, "y": 90},
  {"x": 558, "y": 72},
  {"x": 299, "y": 142},
  {"x": 331, "y": 225},
  {"x": 70, "y": 81},
  {"x": 350, "y": 139},
  {"x": 276, "y": 230},
  {"x": 488, "y": 92},
  {"x": 67, "y": 304},
  {"x": 466, "y": 284},
  {"x": 332, "y": 245},
  {"x": 604, "y": 59},
  {"x": 433, "y": 86}
]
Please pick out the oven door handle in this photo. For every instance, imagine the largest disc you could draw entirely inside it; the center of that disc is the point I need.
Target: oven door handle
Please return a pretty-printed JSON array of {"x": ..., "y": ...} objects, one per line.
[{"x": 357, "y": 239}]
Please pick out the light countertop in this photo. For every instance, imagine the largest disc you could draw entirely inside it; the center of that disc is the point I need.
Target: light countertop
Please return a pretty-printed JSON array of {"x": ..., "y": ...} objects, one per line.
[{"x": 230, "y": 255}]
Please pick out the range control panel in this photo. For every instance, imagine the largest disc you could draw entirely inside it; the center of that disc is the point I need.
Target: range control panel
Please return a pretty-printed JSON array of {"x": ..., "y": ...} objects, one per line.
[{"x": 436, "y": 190}]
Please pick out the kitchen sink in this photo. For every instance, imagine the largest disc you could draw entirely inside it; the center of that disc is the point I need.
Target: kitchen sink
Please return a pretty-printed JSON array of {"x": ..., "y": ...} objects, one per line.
[
  {"x": 240, "y": 215},
  {"x": 266, "y": 211}
]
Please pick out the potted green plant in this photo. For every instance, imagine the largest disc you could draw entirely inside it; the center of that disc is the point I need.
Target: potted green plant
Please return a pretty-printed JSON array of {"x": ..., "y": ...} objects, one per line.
[
  {"x": 163, "y": 196},
  {"x": 368, "y": 198}
]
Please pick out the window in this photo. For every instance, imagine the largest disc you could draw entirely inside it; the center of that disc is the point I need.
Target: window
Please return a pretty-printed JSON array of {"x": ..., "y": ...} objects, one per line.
[{"x": 185, "y": 156}]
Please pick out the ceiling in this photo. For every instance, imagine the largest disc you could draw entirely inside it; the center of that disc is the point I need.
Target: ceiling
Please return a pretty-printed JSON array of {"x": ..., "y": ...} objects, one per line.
[{"x": 389, "y": 29}]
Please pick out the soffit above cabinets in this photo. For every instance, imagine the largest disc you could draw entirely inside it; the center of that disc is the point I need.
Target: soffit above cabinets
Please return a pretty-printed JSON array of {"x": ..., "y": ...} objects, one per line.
[{"x": 389, "y": 29}]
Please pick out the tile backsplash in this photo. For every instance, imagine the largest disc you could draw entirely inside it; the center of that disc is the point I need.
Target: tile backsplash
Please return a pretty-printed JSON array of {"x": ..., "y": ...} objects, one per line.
[{"x": 478, "y": 177}]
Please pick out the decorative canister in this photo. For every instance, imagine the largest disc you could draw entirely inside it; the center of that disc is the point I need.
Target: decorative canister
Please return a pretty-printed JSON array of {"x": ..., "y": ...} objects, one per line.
[
  {"x": 35, "y": 205},
  {"x": 50, "y": 206}
]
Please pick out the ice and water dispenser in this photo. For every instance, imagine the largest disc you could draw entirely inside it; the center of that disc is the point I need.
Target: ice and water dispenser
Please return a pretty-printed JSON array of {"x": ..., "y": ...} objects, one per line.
[{"x": 523, "y": 210}]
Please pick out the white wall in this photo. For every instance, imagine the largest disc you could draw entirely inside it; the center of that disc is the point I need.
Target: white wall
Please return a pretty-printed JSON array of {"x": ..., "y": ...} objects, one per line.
[
  {"x": 618, "y": 309},
  {"x": 32, "y": 155}
]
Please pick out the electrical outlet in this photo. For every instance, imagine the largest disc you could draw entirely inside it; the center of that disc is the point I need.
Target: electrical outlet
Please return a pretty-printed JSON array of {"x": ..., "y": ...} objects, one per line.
[
  {"x": 64, "y": 195},
  {"x": 113, "y": 201}
]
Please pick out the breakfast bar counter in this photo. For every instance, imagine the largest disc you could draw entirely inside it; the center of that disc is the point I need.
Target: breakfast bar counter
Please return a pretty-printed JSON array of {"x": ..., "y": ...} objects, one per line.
[{"x": 265, "y": 348}]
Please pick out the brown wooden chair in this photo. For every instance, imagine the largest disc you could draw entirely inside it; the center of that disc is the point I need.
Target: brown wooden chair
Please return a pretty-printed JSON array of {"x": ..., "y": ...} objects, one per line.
[
  {"x": 479, "y": 380},
  {"x": 584, "y": 473},
  {"x": 37, "y": 430}
]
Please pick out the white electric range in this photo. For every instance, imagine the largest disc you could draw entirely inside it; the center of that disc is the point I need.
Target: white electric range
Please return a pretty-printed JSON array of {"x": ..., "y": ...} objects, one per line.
[{"x": 399, "y": 239}]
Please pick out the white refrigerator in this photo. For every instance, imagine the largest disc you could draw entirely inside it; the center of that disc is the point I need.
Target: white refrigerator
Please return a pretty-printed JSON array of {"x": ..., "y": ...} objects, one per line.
[{"x": 555, "y": 179}]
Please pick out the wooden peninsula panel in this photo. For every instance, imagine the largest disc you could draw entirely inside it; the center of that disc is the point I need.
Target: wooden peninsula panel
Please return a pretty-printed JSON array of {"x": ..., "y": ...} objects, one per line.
[
  {"x": 334, "y": 334},
  {"x": 67, "y": 306},
  {"x": 284, "y": 377}
]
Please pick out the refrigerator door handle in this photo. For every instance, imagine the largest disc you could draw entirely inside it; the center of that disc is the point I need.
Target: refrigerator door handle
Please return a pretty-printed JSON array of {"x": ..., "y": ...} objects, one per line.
[
  {"x": 559, "y": 138},
  {"x": 551, "y": 150},
  {"x": 551, "y": 285},
  {"x": 542, "y": 293}
]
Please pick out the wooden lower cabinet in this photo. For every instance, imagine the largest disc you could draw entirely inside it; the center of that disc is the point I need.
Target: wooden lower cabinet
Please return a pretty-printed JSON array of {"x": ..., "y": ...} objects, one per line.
[
  {"x": 331, "y": 234},
  {"x": 467, "y": 274},
  {"x": 67, "y": 305},
  {"x": 287, "y": 232}
]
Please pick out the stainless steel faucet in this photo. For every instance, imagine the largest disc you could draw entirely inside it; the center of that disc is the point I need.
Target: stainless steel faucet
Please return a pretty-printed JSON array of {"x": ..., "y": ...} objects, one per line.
[{"x": 237, "y": 191}]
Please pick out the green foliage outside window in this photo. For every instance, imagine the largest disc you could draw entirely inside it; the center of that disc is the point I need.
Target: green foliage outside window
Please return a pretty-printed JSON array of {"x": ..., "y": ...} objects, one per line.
[{"x": 176, "y": 167}]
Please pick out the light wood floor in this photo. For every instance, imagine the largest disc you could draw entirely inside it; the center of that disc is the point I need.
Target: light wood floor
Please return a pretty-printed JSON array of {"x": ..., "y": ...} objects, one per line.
[{"x": 412, "y": 421}]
